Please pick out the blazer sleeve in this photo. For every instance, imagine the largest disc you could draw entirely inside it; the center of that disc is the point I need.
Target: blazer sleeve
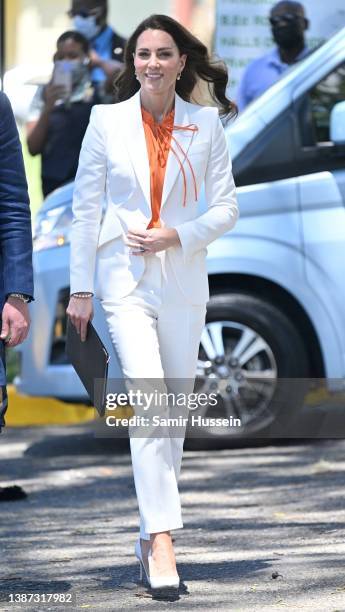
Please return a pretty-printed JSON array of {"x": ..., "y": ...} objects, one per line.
[
  {"x": 222, "y": 212},
  {"x": 88, "y": 195},
  {"x": 15, "y": 217}
]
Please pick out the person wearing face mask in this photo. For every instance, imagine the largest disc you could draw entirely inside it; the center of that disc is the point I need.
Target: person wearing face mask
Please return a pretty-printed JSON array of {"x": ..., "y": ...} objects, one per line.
[
  {"x": 288, "y": 25},
  {"x": 60, "y": 112},
  {"x": 89, "y": 17}
]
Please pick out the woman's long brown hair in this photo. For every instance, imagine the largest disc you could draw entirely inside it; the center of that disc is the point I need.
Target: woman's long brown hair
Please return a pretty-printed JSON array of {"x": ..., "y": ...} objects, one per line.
[{"x": 198, "y": 66}]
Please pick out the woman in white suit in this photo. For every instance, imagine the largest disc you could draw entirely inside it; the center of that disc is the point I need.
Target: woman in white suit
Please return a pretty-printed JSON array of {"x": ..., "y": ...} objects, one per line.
[{"x": 148, "y": 155}]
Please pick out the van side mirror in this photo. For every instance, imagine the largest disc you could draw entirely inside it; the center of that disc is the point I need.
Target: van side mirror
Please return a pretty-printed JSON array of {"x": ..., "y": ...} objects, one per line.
[{"x": 337, "y": 124}]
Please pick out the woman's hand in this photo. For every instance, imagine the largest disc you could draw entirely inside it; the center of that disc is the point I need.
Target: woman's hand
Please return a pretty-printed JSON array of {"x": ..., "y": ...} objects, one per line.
[
  {"x": 37, "y": 131},
  {"x": 51, "y": 94},
  {"x": 146, "y": 242},
  {"x": 80, "y": 311}
]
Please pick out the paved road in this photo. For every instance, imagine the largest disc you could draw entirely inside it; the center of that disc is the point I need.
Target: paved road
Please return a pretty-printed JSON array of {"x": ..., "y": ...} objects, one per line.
[{"x": 247, "y": 512}]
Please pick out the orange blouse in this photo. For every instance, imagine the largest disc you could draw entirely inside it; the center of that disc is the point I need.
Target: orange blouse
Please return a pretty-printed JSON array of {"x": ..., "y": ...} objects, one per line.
[{"x": 158, "y": 145}]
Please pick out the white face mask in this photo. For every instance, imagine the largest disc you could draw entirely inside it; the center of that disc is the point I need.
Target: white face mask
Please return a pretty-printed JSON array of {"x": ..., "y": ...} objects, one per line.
[{"x": 86, "y": 26}]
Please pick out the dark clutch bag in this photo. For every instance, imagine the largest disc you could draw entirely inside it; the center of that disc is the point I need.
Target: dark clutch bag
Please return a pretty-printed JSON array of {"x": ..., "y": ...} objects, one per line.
[{"x": 90, "y": 360}]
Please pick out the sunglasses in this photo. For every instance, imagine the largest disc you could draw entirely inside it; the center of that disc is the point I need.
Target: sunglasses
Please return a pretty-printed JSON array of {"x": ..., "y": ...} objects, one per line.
[
  {"x": 287, "y": 17},
  {"x": 84, "y": 13}
]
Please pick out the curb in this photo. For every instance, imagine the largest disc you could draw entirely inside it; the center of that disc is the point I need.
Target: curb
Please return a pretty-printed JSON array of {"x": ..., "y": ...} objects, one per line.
[{"x": 26, "y": 410}]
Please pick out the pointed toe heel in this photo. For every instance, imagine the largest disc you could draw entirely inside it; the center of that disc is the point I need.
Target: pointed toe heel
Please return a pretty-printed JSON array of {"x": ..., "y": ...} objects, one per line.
[
  {"x": 142, "y": 568},
  {"x": 165, "y": 582},
  {"x": 170, "y": 583},
  {"x": 141, "y": 577}
]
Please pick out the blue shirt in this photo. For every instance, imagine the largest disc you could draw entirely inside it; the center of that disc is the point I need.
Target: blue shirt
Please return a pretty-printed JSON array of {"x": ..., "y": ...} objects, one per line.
[
  {"x": 102, "y": 44},
  {"x": 108, "y": 45},
  {"x": 261, "y": 73}
]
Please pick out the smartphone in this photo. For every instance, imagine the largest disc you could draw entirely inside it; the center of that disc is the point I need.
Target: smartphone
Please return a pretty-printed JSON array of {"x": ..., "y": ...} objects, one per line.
[{"x": 62, "y": 76}]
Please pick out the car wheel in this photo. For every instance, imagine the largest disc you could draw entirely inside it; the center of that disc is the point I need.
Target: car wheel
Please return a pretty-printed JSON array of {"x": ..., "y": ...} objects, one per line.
[{"x": 252, "y": 359}]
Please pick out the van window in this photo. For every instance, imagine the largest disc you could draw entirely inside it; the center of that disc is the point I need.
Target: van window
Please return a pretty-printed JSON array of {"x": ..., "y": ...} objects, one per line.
[
  {"x": 322, "y": 98},
  {"x": 297, "y": 141}
]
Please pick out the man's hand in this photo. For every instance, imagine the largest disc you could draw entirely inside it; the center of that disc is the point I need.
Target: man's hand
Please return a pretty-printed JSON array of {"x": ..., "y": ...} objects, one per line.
[
  {"x": 95, "y": 59},
  {"x": 80, "y": 311},
  {"x": 15, "y": 322},
  {"x": 146, "y": 242},
  {"x": 109, "y": 66}
]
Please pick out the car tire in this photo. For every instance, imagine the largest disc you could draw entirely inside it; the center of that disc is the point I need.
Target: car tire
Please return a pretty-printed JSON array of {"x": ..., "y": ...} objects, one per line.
[{"x": 259, "y": 319}]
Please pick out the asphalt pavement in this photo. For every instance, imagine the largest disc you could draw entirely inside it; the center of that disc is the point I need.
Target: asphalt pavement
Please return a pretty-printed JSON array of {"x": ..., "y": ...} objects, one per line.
[{"x": 264, "y": 526}]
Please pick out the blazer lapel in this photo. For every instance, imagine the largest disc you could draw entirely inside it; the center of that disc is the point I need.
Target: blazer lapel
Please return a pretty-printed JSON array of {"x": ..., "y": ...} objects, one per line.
[
  {"x": 134, "y": 136},
  {"x": 180, "y": 143}
]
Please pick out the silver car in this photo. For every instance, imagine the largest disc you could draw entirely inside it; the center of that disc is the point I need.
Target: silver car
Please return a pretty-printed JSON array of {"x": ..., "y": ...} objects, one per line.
[{"x": 276, "y": 314}]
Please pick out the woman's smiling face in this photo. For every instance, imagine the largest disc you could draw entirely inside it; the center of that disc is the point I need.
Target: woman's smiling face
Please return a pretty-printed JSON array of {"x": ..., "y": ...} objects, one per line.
[{"x": 157, "y": 61}]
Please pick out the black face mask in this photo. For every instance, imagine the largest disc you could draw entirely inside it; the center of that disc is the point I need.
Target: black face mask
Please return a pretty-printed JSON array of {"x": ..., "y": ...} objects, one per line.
[{"x": 288, "y": 36}]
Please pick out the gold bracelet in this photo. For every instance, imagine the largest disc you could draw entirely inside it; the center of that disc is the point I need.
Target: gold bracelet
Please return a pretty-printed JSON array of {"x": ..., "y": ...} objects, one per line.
[{"x": 82, "y": 294}]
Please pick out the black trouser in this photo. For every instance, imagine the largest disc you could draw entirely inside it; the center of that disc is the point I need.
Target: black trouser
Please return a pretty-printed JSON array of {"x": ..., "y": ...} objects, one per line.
[
  {"x": 3, "y": 405},
  {"x": 3, "y": 390}
]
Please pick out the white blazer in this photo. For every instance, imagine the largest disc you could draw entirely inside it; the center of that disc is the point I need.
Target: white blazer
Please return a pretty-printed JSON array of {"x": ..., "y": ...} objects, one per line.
[{"x": 114, "y": 163}]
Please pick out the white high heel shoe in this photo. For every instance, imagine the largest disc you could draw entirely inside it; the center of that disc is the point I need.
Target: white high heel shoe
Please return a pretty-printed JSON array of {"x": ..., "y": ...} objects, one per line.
[{"x": 155, "y": 582}]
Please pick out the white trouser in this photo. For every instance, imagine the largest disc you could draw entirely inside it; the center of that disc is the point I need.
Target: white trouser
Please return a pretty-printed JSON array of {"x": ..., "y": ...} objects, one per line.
[{"x": 156, "y": 335}]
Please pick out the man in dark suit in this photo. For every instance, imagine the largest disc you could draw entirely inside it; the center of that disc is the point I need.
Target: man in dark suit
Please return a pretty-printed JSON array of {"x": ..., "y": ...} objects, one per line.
[{"x": 16, "y": 277}]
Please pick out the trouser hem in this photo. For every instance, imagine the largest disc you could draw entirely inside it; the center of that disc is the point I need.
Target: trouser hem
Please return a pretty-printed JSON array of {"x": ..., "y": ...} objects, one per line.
[{"x": 158, "y": 528}]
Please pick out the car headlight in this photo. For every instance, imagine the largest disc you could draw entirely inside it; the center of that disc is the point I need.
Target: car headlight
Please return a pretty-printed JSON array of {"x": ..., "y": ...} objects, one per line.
[{"x": 52, "y": 228}]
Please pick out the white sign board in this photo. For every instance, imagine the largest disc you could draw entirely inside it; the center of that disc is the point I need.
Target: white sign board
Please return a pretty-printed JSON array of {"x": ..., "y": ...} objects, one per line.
[{"x": 243, "y": 31}]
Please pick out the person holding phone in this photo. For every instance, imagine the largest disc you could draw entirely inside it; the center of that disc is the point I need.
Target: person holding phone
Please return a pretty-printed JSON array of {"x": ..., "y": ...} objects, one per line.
[
  {"x": 145, "y": 260},
  {"x": 60, "y": 112}
]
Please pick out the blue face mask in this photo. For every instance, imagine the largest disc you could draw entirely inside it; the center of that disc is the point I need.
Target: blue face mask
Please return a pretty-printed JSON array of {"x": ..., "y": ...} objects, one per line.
[{"x": 87, "y": 26}]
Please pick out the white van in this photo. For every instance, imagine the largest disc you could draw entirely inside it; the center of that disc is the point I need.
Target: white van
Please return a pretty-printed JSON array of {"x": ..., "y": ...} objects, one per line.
[{"x": 276, "y": 314}]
